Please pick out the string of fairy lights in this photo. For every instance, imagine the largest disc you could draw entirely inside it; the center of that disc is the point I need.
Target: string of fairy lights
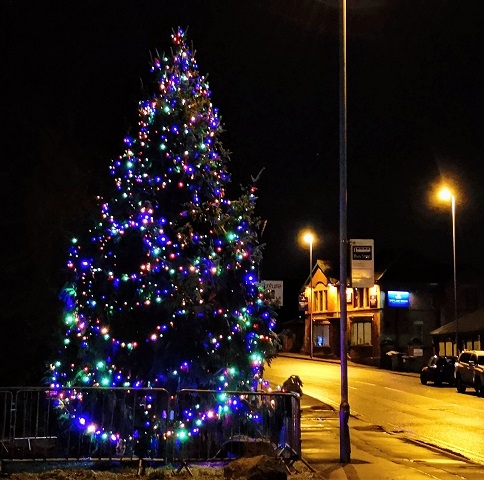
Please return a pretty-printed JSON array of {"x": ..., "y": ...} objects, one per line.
[{"x": 157, "y": 258}]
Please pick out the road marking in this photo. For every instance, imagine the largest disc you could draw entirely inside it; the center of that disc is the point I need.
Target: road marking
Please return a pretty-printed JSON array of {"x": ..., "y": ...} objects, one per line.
[
  {"x": 366, "y": 383},
  {"x": 399, "y": 390}
]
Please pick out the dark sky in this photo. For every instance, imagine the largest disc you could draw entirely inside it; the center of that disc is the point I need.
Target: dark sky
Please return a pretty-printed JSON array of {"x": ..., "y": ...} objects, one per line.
[{"x": 73, "y": 75}]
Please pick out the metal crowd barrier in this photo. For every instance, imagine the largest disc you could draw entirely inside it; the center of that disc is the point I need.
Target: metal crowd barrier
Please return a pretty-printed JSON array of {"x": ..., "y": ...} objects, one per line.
[{"x": 125, "y": 424}]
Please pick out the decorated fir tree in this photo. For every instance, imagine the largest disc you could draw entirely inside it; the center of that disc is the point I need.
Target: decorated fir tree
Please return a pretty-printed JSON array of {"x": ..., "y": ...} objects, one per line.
[{"x": 164, "y": 291}]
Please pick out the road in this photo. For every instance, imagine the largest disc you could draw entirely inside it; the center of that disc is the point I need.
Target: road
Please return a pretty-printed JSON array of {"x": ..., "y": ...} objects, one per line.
[{"x": 395, "y": 401}]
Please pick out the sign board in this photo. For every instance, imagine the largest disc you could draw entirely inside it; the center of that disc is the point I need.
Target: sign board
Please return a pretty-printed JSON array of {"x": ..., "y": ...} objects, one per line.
[
  {"x": 399, "y": 299},
  {"x": 362, "y": 256},
  {"x": 273, "y": 291},
  {"x": 303, "y": 302}
]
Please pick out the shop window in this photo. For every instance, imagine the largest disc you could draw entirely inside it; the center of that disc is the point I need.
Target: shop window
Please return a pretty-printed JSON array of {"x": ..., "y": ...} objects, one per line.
[
  {"x": 361, "y": 298},
  {"x": 318, "y": 301},
  {"x": 356, "y": 298},
  {"x": 321, "y": 335},
  {"x": 361, "y": 331}
]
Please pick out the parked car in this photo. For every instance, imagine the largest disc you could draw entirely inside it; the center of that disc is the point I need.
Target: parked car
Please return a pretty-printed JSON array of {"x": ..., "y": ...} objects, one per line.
[
  {"x": 439, "y": 369},
  {"x": 469, "y": 371}
]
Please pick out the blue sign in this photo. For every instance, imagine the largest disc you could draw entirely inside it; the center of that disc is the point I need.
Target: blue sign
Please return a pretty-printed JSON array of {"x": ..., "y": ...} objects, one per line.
[{"x": 398, "y": 299}]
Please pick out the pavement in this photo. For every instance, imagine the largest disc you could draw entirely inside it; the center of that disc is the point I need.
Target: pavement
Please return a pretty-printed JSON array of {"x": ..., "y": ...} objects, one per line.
[{"x": 374, "y": 454}]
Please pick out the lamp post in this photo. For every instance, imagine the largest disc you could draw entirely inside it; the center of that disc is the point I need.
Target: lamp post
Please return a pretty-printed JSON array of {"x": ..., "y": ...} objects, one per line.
[
  {"x": 344, "y": 411},
  {"x": 309, "y": 238},
  {"x": 446, "y": 195}
]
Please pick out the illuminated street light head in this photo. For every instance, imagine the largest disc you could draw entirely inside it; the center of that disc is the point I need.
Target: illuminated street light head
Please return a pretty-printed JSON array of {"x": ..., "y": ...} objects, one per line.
[
  {"x": 445, "y": 194},
  {"x": 308, "y": 238}
]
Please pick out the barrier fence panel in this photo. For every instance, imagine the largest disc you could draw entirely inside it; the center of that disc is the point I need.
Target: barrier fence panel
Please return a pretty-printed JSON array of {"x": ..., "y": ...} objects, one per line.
[
  {"x": 231, "y": 424},
  {"x": 81, "y": 423},
  {"x": 98, "y": 423},
  {"x": 6, "y": 417}
]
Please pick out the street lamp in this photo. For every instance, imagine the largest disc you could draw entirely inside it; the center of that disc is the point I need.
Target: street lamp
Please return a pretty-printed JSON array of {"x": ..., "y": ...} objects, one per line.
[
  {"x": 344, "y": 410},
  {"x": 309, "y": 238},
  {"x": 446, "y": 195}
]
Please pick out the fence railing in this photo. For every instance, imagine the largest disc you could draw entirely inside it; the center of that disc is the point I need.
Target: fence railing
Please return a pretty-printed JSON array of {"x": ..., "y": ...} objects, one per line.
[{"x": 146, "y": 424}]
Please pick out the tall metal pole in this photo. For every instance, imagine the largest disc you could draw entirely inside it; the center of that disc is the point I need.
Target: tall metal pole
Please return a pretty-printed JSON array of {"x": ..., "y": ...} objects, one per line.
[
  {"x": 344, "y": 412},
  {"x": 455, "y": 278},
  {"x": 445, "y": 194},
  {"x": 311, "y": 296}
]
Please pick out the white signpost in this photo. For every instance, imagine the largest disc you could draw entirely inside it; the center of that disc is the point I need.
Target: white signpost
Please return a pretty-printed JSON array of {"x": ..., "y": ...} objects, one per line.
[
  {"x": 362, "y": 256},
  {"x": 273, "y": 289}
]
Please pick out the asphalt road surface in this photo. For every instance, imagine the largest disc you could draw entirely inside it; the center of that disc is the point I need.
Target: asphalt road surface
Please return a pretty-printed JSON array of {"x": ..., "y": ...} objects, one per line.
[{"x": 397, "y": 402}]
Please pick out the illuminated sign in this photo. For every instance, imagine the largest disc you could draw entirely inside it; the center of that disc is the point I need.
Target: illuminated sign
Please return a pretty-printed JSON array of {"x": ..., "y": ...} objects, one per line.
[{"x": 398, "y": 299}]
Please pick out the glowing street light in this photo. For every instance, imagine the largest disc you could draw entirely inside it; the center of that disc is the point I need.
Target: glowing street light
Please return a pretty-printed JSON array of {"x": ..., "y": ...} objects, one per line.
[
  {"x": 309, "y": 238},
  {"x": 446, "y": 194}
]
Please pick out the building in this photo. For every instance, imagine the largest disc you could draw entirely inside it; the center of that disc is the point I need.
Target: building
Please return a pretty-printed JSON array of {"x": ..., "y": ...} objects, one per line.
[
  {"x": 414, "y": 304},
  {"x": 409, "y": 311},
  {"x": 470, "y": 330},
  {"x": 321, "y": 299},
  {"x": 431, "y": 306}
]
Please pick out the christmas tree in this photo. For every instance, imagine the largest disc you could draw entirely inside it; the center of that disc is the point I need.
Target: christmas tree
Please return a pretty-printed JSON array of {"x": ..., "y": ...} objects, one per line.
[
  {"x": 168, "y": 279},
  {"x": 164, "y": 291}
]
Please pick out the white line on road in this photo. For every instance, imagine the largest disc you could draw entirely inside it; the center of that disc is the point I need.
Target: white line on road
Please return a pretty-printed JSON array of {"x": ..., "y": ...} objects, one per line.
[{"x": 394, "y": 389}]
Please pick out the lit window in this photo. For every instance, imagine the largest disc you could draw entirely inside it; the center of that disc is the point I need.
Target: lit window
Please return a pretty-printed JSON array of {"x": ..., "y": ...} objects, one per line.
[{"x": 321, "y": 335}]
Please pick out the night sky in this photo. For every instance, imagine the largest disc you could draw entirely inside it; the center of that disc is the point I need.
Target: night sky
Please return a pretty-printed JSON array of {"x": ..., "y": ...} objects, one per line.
[{"x": 74, "y": 73}]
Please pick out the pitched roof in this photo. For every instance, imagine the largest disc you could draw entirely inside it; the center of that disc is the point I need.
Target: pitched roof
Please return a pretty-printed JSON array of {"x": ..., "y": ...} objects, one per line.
[
  {"x": 326, "y": 268},
  {"x": 472, "y": 322}
]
